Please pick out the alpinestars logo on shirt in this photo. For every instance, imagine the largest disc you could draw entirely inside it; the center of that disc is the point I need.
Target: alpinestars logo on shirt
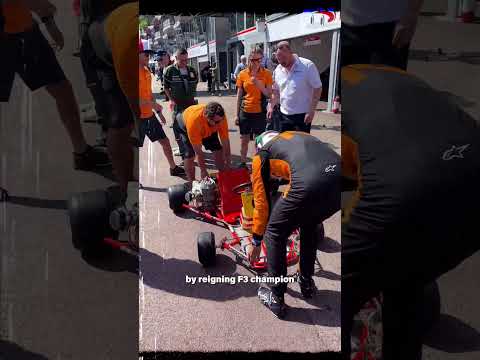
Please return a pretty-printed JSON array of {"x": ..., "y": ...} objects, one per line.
[
  {"x": 330, "y": 168},
  {"x": 455, "y": 152}
]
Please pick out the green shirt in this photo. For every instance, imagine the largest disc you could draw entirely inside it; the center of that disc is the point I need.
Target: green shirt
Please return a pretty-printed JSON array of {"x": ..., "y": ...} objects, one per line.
[{"x": 183, "y": 88}]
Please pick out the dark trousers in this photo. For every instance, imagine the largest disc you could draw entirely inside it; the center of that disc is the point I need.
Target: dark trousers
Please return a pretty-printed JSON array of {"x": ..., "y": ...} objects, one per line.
[
  {"x": 87, "y": 58},
  {"x": 402, "y": 337},
  {"x": 294, "y": 122},
  {"x": 372, "y": 44},
  {"x": 290, "y": 213},
  {"x": 176, "y": 132},
  {"x": 209, "y": 84}
]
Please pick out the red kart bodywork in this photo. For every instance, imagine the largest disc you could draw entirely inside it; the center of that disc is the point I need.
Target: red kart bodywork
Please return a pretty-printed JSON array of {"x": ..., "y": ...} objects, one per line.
[{"x": 228, "y": 213}]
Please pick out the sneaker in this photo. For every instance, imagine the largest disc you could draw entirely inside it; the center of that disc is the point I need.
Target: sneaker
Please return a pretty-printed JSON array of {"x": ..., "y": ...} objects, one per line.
[
  {"x": 177, "y": 171},
  {"x": 91, "y": 158},
  {"x": 274, "y": 303},
  {"x": 176, "y": 152},
  {"x": 307, "y": 286}
]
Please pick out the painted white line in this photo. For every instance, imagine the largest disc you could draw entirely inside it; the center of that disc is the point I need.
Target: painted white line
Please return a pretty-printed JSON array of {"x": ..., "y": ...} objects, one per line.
[
  {"x": 142, "y": 293},
  {"x": 46, "y": 266},
  {"x": 140, "y": 331},
  {"x": 10, "y": 322},
  {"x": 37, "y": 173},
  {"x": 155, "y": 346},
  {"x": 12, "y": 236}
]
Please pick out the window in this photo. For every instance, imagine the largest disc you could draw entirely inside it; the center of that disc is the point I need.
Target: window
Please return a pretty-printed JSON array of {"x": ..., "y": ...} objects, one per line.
[
  {"x": 240, "y": 22},
  {"x": 250, "y": 21},
  {"x": 233, "y": 23}
]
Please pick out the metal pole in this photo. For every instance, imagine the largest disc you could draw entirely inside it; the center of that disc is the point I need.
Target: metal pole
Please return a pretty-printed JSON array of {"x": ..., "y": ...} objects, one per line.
[
  {"x": 217, "y": 62},
  {"x": 334, "y": 66},
  {"x": 207, "y": 38}
]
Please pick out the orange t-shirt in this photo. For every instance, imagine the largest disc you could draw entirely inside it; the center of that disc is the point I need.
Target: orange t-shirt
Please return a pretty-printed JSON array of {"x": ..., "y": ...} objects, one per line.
[
  {"x": 197, "y": 125},
  {"x": 18, "y": 17},
  {"x": 252, "y": 101},
  {"x": 145, "y": 93},
  {"x": 121, "y": 28}
]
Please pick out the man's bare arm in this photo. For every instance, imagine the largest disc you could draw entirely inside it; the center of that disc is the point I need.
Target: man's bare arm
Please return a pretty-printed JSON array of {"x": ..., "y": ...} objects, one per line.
[{"x": 315, "y": 99}]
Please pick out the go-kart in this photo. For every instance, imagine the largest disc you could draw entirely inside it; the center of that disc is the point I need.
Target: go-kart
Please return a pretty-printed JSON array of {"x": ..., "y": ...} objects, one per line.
[
  {"x": 226, "y": 199},
  {"x": 98, "y": 217}
]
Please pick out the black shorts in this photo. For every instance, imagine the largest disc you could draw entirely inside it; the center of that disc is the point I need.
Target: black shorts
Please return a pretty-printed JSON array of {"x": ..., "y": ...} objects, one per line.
[
  {"x": 252, "y": 124},
  {"x": 151, "y": 128},
  {"x": 119, "y": 114},
  {"x": 211, "y": 143},
  {"x": 294, "y": 122},
  {"x": 29, "y": 55}
]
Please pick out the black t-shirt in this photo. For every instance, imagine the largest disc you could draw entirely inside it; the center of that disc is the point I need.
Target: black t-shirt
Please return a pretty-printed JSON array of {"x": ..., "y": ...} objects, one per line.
[{"x": 419, "y": 160}]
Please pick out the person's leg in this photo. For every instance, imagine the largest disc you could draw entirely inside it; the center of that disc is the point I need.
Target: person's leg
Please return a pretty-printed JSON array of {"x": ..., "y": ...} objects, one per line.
[
  {"x": 308, "y": 245},
  {"x": 178, "y": 117},
  {"x": 355, "y": 48},
  {"x": 244, "y": 122},
  {"x": 67, "y": 107},
  {"x": 283, "y": 220},
  {"x": 384, "y": 52},
  {"x": 402, "y": 337},
  {"x": 121, "y": 153},
  {"x": 167, "y": 150},
  {"x": 189, "y": 164},
  {"x": 245, "y": 139}
]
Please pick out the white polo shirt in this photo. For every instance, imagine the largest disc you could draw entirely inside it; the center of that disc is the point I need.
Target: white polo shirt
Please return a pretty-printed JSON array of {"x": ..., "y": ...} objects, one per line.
[{"x": 296, "y": 86}]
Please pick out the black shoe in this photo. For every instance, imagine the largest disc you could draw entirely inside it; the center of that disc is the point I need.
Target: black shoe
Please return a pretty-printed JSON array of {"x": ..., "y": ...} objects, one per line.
[
  {"x": 274, "y": 303},
  {"x": 90, "y": 159},
  {"x": 177, "y": 171},
  {"x": 307, "y": 286}
]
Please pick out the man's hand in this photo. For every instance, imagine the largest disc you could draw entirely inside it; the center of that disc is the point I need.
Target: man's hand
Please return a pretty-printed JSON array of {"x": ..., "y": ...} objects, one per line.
[
  {"x": 404, "y": 31},
  {"x": 309, "y": 117},
  {"x": 203, "y": 173},
  {"x": 237, "y": 121},
  {"x": 253, "y": 253},
  {"x": 55, "y": 34}
]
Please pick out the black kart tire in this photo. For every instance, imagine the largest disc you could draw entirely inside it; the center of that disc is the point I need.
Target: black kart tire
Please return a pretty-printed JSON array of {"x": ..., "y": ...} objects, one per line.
[{"x": 206, "y": 248}]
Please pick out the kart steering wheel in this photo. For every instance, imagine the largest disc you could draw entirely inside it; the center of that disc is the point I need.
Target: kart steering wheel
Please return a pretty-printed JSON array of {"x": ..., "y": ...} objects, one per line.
[{"x": 239, "y": 189}]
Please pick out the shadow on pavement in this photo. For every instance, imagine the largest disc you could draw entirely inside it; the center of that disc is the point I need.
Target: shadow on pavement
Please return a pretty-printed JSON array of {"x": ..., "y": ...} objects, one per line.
[
  {"x": 38, "y": 203},
  {"x": 468, "y": 57},
  {"x": 322, "y": 127},
  {"x": 329, "y": 275},
  {"x": 11, "y": 351},
  {"x": 452, "y": 335},
  {"x": 203, "y": 93},
  {"x": 107, "y": 173},
  {"x": 327, "y": 312},
  {"x": 148, "y": 188},
  {"x": 329, "y": 246},
  {"x": 113, "y": 261},
  {"x": 170, "y": 275}
]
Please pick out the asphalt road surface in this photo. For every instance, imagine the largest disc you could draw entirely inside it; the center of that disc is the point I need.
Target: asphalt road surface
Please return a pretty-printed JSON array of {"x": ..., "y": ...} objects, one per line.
[
  {"x": 176, "y": 316},
  {"x": 54, "y": 305}
]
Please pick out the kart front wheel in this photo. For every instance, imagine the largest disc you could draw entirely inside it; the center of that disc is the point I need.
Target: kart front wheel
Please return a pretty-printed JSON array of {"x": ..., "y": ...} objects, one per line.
[{"x": 206, "y": 248}]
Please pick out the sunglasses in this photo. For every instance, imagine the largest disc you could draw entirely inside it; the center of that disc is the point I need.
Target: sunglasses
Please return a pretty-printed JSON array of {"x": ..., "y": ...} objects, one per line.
[
  {"x": 255, "y": 60},
  {"x": 216, "y": 122}
]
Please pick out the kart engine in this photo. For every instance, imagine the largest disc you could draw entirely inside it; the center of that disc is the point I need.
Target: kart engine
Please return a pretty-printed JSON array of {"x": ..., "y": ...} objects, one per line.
[{"x": 203, "y": 194}]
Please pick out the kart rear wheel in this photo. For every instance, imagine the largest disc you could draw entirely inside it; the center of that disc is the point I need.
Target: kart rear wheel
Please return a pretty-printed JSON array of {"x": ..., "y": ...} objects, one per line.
[
  {"x": 176, "y": 197},
  {"x": 89, "y": 220},
  {"x": 206, "y": 248}
]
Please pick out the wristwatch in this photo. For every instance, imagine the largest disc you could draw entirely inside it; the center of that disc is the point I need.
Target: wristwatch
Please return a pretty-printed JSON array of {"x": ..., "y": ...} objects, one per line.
[{"x": 257, "y": 240}]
